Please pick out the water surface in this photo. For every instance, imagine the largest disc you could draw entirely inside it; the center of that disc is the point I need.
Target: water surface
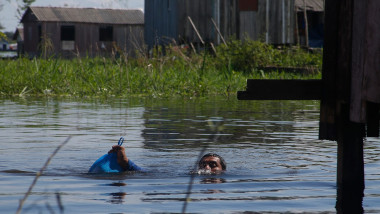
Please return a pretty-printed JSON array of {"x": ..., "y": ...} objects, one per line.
[{"x": 274, "y": 159}]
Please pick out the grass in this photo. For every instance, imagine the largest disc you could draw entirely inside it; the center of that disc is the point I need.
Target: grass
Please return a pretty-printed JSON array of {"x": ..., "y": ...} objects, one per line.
[{"x": 177, "y": 73}]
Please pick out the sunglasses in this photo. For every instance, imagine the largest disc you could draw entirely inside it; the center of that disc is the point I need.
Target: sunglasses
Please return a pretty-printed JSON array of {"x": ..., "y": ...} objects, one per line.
[{"x": 211, "y": 164}]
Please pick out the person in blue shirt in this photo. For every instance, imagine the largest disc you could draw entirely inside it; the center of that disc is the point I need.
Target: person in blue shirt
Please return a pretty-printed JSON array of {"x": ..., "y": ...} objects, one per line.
[
  {"x": 209, "y": 163},
  {"x": 114, "y": 161}
]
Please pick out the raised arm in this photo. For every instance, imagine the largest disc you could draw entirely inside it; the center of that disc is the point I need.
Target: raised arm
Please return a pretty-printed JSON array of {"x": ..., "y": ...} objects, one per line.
[{"x": 122, "y": 158}]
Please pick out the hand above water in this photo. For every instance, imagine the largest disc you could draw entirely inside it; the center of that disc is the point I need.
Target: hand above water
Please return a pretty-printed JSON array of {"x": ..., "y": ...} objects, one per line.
[{"x": 122, "y": 159}]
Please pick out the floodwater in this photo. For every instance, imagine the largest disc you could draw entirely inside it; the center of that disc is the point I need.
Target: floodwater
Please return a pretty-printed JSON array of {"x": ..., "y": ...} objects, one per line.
[
  {"x": 275, "y": 162},
  {"x": 8, "y": 54}
]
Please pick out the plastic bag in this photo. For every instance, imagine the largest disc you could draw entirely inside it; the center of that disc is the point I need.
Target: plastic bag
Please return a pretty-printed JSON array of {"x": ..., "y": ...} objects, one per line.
[{"x": 107, "y": 163}]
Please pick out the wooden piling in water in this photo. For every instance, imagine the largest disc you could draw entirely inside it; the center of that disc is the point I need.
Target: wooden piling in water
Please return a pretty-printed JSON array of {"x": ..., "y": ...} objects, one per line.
[{"x": 350, "y": 164}]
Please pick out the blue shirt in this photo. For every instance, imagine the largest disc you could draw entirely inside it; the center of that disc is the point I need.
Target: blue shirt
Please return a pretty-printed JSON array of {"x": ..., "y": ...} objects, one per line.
[
  {"x": 108, "y": 163},
  {"x": 133, "y": 167}
]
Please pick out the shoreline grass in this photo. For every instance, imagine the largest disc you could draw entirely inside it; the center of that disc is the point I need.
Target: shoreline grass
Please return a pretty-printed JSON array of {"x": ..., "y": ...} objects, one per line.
[{"x": 177, "y": 73}]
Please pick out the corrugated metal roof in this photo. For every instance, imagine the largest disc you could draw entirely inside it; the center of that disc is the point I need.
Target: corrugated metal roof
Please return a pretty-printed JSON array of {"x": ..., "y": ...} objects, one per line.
[
  {"x": 87, "y": 15},
  {"x": 311, "y": 5}
]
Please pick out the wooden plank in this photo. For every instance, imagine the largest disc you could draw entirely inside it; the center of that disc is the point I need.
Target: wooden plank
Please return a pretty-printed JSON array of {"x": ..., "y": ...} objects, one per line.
[
  {"x": 327, "y": 124},
  {"x": 344, "y": 65},
  {"x": 247, "y": 26},
  {"x": 281, "y": 90},
  {"x": 372, "y": 67},
  {"x": 372, "y": 52},
  {"x": 358, "y": 92}
]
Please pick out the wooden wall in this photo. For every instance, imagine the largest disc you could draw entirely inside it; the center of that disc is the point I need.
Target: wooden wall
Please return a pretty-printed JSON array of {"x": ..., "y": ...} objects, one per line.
[
  {"x": 31, "y": 38},
  {"x": 272, "y": 21},
  {"x": 161, "y": 22},
  {"x": 202, "y": 13},
  {"x": 166, "y": 20},
  {"x": 128, "y": 38}
]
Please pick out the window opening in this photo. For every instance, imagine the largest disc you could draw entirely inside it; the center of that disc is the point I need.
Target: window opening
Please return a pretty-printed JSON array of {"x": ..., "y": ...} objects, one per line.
[
  {"x": 67, "y": 33},
  {"x": 248, "y": 5},
  {"x": 106, "y": 34}
]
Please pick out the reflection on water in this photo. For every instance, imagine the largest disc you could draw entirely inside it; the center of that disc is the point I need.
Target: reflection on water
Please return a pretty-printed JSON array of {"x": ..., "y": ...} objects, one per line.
[
  {"x": 275, "y": 161},
  {"x": 212, "y": 180},
  {"x": 117, "y": 197}
]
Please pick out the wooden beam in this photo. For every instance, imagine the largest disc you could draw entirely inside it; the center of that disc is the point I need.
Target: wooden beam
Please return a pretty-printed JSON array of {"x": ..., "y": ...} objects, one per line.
[
  {"x": 281, "y": 90},
  {"x": 327, "y": 121}
]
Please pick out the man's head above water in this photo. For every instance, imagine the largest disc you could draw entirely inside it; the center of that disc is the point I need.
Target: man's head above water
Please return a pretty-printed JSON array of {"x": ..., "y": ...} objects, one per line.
[{"x": 213, "y": 163}]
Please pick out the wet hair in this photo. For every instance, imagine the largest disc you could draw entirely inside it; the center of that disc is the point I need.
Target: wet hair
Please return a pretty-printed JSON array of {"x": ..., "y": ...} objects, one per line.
[{"x": 222, "y": 162}]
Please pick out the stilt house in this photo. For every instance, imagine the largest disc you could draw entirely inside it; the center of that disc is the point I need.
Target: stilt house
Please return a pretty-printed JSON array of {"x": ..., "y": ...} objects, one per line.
[{"x": 69, "y": 32}]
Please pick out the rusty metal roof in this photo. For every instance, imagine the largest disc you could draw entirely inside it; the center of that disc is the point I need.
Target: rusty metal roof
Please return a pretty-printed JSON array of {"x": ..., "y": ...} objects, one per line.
[
  {"x": 311, "y": 5},
  {"x": 86, "y": 15}
]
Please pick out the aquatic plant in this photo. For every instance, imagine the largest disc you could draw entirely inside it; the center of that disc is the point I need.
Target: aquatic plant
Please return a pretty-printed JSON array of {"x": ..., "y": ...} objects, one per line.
[
  {"x": 178, "y": 72},
  {"x": 245, "y": 55}
]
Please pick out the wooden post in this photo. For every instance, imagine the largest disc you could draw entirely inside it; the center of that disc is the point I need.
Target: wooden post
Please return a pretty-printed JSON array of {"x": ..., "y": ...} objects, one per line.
[
  {"x": 297, "y": 29},
  {"x": 220, "y": 34},
  {"x": 306, "y": 24},
  {"x": 335, "y": 121},
  {"x": 196, "y": 30},
  {"x": 199, "y": 35},
  {"x": 350, "y": 174}
]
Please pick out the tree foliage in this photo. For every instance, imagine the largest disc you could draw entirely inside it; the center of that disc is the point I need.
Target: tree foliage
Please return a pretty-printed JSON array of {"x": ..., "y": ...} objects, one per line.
[
  {"x": 3, "y": 36},
  {"x": 22, "y": 5}
]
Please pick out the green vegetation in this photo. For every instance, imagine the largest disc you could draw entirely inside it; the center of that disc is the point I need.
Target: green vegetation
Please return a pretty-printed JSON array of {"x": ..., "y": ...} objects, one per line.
[
  {"x": 179, "y": 72},
  {"x": 250, "y": 55}
]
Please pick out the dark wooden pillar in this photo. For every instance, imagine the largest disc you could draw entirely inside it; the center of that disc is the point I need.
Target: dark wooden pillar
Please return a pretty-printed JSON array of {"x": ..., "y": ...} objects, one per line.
[
  {"x": 337, "y": 94},
  {"x": 350, "y": 172}
]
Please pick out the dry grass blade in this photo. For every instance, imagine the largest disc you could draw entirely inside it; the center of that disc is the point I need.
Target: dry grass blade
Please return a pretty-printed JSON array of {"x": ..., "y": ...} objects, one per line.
[
  {"x": 189, "y": 187},
  {"x": 22, "y": 201},
  {"x": 216, "y": 128}
]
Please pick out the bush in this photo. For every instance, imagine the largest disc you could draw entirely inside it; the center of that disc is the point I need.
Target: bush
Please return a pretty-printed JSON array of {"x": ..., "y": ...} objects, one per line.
[{"x": 248, "y": 55}]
